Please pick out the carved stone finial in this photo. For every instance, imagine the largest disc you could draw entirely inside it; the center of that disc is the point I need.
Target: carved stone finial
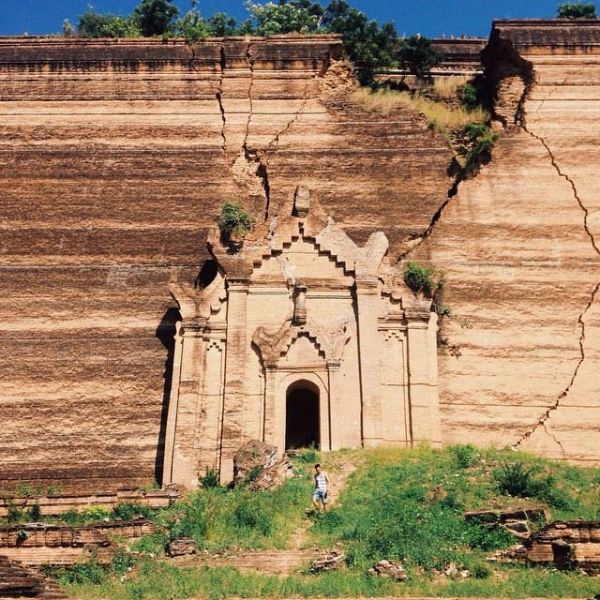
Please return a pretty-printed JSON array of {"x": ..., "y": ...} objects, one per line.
[
  {"x": 302, "y": 201},
  {"x": 299, "y": 304}
]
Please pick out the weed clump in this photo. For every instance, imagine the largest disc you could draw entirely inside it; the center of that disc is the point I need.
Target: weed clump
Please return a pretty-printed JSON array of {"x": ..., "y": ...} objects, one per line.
[
  {"x": 478, "y": 151},
  {"x": 210, "y": 479},
  {"x": 465, "y": 456},
  {"x": 527, "y": 481},
  {"x": 419, "y": 279},
  {"x": 235, "y": 220}
]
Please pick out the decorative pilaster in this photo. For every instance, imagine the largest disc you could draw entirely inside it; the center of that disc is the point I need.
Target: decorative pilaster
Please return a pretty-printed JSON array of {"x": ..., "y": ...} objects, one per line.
[
  {"x": 270, "y": 416},
  {"x": 367, "y": 298},
  {"x": 422, "y": 374},
  {"x": 183, "y": 461},
  {"x": 334, "y": 407},
  {"x": 173, "y": 407},
  {"x": 236, "y": 361}
]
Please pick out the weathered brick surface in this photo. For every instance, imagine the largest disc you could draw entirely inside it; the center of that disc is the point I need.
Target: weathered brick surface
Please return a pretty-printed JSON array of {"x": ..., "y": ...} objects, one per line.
[
  {"x": 114, "y": 160},
  {"x": 520, "y": 247}
]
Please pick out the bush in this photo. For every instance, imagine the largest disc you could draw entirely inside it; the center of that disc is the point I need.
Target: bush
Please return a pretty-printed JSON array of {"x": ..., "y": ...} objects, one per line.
[
  {"x": 126, "y": 511},
  {"x": 250, "y": 513},
  {"x": 90, "y": 572},
  {"x": 155, "y": 17},
  {"x": 235, "y": 220},
  {"x": 121, "y": 563},
  {"x": 464, "y": 456},
  {"x": 210, "y": 479},
  {"x": 468, "y": 96},
  {"x": 417, "y": 55},
  {"x": 192, "y": 27},
  {"x": 482, "y": 538},
  {"x": 272, "y": 18},
  {"x": 481, "y": 140},
  {"x": 517, "y": 479},
  {"x": 419, "y": 279},
  {"x": 96, "y": 25},
  {"x": 309, "y": 456},
  {"x": 35, "y": 513},
  {"x": 576, "y": 10},
  {"x": 95, "y": 513}
]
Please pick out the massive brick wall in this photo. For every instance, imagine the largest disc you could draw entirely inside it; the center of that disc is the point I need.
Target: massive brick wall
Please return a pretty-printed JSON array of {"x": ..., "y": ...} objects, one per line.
[
  {"x": 520, "y": 246},
  {"x": 114, "y": 160}
]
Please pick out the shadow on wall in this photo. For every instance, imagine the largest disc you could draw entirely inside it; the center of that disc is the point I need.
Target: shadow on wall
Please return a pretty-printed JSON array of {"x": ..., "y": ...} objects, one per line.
[{"x": 165, "y": 332}]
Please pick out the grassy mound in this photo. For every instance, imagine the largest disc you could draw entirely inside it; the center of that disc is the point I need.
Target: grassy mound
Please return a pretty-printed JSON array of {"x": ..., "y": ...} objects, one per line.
[{"x": 398, "y": 504}]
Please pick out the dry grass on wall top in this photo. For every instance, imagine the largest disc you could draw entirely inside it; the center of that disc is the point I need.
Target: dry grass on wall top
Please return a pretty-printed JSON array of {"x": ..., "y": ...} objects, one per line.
[
  {"x": 445, "y": 116},
  {"x": 448, "y": 88}
]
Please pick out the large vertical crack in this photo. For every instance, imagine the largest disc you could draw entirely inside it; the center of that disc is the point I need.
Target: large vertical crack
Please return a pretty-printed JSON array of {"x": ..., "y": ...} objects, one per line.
[
  {"x": 261, "y": 158},
  {"x": 542, "y": 422},
  {"x": 218, "y": 94},
  {"x": 250, "y": 61},
  {"x": 219, "y": 97},
  {"x": 254, "y": 157}
]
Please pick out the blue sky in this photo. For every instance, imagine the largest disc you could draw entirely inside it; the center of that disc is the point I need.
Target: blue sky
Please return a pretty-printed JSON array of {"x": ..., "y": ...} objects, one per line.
[{"x": 428, "y": 17}]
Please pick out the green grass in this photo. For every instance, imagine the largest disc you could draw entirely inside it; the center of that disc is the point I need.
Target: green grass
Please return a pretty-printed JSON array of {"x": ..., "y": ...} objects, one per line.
[
  {"x": 220, "y": 519},
  {"x": 389, "y": 509},
  {"x": 155, "y": 581}
]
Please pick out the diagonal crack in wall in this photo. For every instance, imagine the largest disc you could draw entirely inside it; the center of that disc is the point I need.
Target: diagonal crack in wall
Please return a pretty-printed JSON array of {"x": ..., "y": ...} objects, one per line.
[
  {"x": 420, "y": 238},
  {"x": 542, "y": 422}
]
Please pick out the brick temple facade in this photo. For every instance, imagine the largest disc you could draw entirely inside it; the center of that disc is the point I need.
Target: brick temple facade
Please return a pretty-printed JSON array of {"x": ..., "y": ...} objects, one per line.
[{"x": 302, "y": 338}]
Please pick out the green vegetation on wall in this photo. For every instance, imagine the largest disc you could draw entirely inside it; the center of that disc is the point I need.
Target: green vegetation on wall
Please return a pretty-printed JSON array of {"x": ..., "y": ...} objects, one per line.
[
  {"x": 371, "y": 47},
  {"x": 234, "y": 220}
]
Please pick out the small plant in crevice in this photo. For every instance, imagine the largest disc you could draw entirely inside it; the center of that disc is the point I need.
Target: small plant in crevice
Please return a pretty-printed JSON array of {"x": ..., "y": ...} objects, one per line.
[
  {"x": 235, "y": 221},
  {"x": 477, "y": 149},
  {"x": 468, "y": 96},
  {"x": 13, "y": 513},
  {"x": 126, "y": 511},
  {"x": 253, "y": 474},
  {"x": 419, "y": 279},
  {"x": 426, "y": 282},
  {"x": 35, "y": 513}
]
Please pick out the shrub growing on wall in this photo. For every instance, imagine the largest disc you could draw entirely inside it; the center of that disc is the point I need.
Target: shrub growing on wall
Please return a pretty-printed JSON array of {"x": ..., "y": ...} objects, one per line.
[
  {"x": 419, "y": 279},
  {"x": 235, "y": 220}
]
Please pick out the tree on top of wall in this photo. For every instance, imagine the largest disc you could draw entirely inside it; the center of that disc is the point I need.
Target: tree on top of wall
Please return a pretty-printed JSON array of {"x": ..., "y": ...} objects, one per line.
[
  {"x": 97, "y": 25},
  {"x": 371, "y": 47},
  {"x": 417, "y": 55},
  {"x": 576, "y": 10},
  {"x": 155, "y": 17}
]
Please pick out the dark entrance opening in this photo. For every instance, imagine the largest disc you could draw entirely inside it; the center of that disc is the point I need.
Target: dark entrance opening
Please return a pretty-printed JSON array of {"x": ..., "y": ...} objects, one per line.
[{"x": 302, "y": 416}]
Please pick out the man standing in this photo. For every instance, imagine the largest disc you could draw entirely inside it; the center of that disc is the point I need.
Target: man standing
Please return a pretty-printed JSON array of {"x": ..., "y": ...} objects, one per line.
[{"x": 321, "y": 488}]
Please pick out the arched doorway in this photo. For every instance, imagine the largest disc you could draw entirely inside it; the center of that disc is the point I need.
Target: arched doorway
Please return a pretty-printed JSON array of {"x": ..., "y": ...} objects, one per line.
[{"x": 302, "y": 416}]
